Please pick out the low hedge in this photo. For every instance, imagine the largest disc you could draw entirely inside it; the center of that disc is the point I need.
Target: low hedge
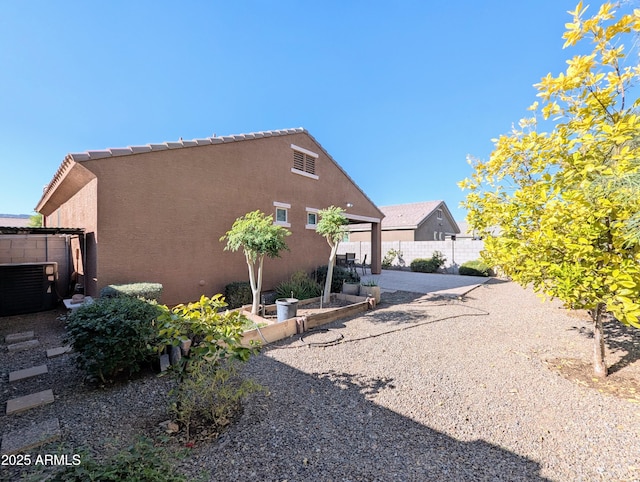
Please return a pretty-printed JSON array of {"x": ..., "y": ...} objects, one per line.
[
  {"x": 474, "y": 268},
  {"x": 147, "y": 291},
  {"x": 238, "y": 294},
  {"x": 340, "y": 276},
  {"x": 113, "y": 335}
]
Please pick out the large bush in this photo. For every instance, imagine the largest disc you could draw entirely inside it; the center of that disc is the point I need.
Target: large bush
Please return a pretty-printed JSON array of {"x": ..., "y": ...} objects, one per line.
[
  {"x": 340, "y": 276},
  {"x": 203, "y": 374},
  {"x": 474, "y": 268},
  {"x": 113, "y": 335},
  {"x": 428, "y": 265},
  {"x": 300, "y": 285},
  {"x": 147, "y": 291},
  {"x": 238, "y": 294}
]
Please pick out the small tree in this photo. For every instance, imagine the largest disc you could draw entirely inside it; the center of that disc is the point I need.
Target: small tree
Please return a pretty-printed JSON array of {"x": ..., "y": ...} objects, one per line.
[
  {"x": 331, "y": 226},
  {"x": 258, "y": 237},
  {"x": 540, "y": 200},
  {"x": 35, "y": 220}
]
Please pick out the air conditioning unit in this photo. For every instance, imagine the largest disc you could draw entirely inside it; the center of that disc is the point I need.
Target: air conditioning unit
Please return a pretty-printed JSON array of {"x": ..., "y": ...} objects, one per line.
[{"x": 27, "y": 287}]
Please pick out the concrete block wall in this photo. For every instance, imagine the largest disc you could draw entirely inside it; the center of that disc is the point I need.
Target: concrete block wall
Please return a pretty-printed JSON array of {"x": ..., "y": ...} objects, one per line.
[
  {"x": 456, "y": 252},
  {"x": 38, "y": 248}
]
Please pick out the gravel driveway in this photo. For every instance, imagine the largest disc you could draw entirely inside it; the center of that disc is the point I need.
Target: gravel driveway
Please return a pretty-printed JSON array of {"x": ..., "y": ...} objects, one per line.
[
  {"x": 459, "y": 391},
  {"x": 422, "y": 388}
]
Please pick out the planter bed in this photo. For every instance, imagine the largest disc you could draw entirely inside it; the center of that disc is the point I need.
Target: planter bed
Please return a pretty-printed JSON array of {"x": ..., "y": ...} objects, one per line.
[{"x": 309, "y": 315}]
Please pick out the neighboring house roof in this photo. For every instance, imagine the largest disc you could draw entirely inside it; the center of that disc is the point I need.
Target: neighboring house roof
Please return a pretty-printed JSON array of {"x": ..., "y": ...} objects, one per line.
[
  {"x": 409, "y": 216},
  {"x": 71, "y": 159},
  {"x": 14, "y": 220}
]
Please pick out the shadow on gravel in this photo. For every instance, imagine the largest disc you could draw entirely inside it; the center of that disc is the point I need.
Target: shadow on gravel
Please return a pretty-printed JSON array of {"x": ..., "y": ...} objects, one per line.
[
  {"x": 618, "y": 338},
  {"x": 327, "y": 426}
]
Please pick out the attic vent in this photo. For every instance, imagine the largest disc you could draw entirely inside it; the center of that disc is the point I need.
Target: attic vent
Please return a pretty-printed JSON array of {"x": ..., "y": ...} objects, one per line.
[{"x": 304, "y": 161}]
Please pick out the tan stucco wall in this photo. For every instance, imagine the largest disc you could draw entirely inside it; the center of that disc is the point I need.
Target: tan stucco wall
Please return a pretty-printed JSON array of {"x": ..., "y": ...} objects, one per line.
[
  {"x": 80, "y": 211},
  {"x": 160, "y": 214},
  {"x": 394, "y": 235}
]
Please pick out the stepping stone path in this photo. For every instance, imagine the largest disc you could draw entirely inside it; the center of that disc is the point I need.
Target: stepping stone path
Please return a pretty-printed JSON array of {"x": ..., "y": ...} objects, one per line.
[{"x": 40, "y": 433}]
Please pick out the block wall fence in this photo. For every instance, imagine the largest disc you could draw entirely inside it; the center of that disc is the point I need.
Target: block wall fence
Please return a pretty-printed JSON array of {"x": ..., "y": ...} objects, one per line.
[{"x": 456, "y": 252}]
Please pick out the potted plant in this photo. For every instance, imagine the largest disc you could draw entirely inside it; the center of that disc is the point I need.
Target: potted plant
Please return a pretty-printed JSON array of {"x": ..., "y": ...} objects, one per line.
[
  {"x": 370, "y": 289},
  {"x": 351, "y": 287}
]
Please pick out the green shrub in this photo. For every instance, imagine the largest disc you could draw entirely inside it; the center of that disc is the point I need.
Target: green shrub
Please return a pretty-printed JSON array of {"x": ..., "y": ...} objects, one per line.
[
  {"x": 392, "y": 254},
  {"x": 340, "y": 276},
  {"x": 113, "y": 335},
  {"x": 301, "y": 285},
  {"x": 215, "y": 338},
  {"x": 238, "y": 294},
  {"x": 474, "y": 268},
  {"x": 142, "y": 461},
  {"x": 428, "y": 265},
  {"x": 147, "y": 291}
]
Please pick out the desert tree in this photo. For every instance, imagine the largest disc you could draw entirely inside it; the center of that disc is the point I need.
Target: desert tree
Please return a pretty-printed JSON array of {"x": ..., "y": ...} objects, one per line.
[
  {"x": 540, "y": 201},
  {"x": 257, "y": 236},
  {"x": 331, "y": 225}
]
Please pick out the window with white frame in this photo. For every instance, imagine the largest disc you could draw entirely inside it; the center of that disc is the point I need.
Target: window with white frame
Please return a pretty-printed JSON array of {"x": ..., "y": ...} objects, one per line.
[
  {"x": 304, "y": 162},
  {"x": 282, "y": 214},
  {"x": 439, "y": 213},
  {"x": 312, "y": 218}
]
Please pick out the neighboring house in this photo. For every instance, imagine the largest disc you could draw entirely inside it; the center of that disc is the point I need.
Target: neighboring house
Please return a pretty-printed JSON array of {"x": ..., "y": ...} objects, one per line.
[
  {"x": 156, "y": 212},
  {"x": 424, "y": 221},
  {"x": 14, "y": 220}
]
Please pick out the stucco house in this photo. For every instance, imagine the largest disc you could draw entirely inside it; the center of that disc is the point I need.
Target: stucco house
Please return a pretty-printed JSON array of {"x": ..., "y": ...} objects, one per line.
[
  {"x": 156, "y": 212},
  {"x": 423, "y": 221}
]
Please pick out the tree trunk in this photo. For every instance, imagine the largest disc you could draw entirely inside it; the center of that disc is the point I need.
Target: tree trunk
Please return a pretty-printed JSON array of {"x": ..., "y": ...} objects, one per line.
[
  {"x": 255, "y": 283},
  {"x": 327, "y": 283},
  {"x": 599, "y": 366}
]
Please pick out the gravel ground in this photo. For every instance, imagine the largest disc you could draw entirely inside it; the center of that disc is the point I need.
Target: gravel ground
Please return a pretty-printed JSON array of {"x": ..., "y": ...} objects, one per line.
[{"x": 418, "y": 389}]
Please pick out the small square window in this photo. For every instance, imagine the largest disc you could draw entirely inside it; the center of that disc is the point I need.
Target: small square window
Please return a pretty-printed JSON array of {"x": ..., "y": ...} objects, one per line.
[
  {"x": 312, "y": 218},
  {"x": 281, "y": 215}
]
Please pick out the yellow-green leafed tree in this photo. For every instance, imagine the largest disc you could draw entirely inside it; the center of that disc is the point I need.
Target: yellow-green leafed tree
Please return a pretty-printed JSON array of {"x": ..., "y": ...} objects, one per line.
[{"x": 540, "y": 199}]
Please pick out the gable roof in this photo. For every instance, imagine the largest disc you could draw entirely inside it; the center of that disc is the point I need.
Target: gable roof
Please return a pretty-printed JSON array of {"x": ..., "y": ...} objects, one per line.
[
  {"x": 73, "y": 159},
  {"x": 407, "y": 216}
]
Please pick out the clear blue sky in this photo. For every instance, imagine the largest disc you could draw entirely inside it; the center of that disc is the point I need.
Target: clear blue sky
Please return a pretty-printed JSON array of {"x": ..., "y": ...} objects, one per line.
[{"x": 397, "y": 92}]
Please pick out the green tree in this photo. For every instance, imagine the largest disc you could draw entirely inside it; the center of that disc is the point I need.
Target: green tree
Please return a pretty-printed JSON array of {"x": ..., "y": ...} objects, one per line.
[
  {"x": 331, "y": 225},
  {"x": 35, "y": 220},
  {"x": 540, "y": 201},
  {"x": 258, "y": 237}
]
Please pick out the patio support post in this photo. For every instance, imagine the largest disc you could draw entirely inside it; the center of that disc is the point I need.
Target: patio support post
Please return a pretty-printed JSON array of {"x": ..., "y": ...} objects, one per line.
[{"x": 376, "y": 248}]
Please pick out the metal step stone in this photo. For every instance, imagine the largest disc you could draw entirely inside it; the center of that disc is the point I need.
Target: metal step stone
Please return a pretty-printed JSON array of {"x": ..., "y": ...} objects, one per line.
[
  {"x": 31, "y": 437},
  {"x": 20, "y": 404}
]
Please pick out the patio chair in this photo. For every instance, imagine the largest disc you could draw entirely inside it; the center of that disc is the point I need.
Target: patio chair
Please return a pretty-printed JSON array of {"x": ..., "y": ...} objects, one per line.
[
  {"x": 351, "y": 261},
  {"x": 341, "y": 260},
  {"x": 364, "y": 265}
]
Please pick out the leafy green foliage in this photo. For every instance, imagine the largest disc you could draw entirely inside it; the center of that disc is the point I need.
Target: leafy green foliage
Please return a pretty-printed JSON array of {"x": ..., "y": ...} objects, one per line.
[
  {"x": 213, "y": 394},
  {"x": 143, "y": 461},
  {"x": 392, "y": 254},
  {"x": 258, "y": 237},
  {"x": 113, "y": 335},
  {"x": 238, "y": 294},
  {"x": 301, "y": 285},
  {"x": 539, "y": 201},
  {"x": 474, "y": 268},
  {"x": 215, "y": 337},
  {"x": 428, "y": 265},
  {"x": 340, "y": 275},
  {"x": 35, "y": 220},
  {"x": 332, "y": 226},
  {"x": 147, "y": 291}
]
